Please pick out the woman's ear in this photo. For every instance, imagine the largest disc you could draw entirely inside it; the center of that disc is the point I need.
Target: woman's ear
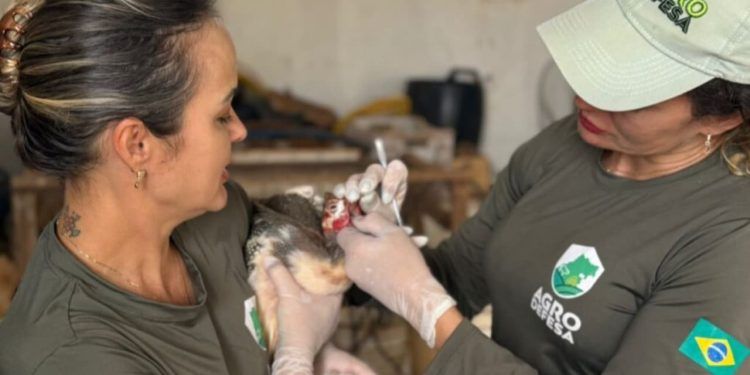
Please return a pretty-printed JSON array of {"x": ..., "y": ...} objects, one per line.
[
  {"x": 719, "y": 125},
  {"x": 133, "y": 142}
]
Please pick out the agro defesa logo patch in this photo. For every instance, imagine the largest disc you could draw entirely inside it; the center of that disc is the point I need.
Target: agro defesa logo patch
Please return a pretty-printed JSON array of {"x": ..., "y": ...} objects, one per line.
[
  {"x": 681, "y": 12},
  {"x": 713, "y": 349},
  {"x": 576, "y": 272}
]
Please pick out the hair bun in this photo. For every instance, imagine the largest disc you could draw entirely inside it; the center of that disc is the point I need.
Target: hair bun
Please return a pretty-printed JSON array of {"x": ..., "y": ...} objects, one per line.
[{"x": 12, "y": 28}]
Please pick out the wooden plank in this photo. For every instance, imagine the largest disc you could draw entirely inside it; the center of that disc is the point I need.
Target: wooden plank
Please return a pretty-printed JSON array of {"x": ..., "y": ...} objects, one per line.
[{"x": 276, "y": 156}]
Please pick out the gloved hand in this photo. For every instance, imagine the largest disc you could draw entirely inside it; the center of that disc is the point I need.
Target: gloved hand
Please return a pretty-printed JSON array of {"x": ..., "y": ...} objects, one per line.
[
  {"x": 382, "y": 260},
  {"x": 362, "y": 187},
  {"x": 333, "y": 360},
  {"x": 306, "y": 321}
]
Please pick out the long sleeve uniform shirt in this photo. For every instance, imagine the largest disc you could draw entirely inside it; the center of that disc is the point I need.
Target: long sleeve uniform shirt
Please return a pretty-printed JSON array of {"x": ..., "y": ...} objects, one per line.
[{"x": 591, "y": 273}]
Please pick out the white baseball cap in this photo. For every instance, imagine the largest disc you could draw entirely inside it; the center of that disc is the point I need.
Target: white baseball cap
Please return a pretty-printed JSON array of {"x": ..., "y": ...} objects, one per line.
[{"x": 620, "y": 55}]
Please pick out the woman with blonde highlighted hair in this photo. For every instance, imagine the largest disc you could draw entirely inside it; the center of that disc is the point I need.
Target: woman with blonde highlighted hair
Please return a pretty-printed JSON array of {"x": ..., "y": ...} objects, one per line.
[{"x": 128, "y": 102}]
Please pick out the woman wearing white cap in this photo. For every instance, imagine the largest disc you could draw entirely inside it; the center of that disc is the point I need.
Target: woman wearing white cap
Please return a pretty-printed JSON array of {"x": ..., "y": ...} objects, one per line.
[{"x": 618, "y": 239}]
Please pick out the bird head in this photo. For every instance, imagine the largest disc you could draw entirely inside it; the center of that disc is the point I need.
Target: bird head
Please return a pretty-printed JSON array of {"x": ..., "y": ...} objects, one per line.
[{"x": 338, "y": 214}]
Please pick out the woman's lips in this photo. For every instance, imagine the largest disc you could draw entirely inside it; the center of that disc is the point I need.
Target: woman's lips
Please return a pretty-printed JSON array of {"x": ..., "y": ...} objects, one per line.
[
  {"x": 225, "y": 175},
  {"x": 588, "y": 125}
]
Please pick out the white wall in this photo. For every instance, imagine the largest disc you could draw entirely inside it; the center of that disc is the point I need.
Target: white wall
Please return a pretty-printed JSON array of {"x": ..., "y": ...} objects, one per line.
[{"x": 345, "y": 53}]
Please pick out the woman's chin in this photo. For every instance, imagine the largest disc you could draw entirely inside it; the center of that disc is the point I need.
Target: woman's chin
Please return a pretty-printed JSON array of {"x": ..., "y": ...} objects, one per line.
[
  {"x": 592, "y": 139},
  {"x": 219, "y": 201}
]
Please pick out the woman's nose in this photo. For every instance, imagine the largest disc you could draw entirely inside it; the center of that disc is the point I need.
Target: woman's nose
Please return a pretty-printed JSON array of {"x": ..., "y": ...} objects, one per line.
[{"x": 238, "y": 131}]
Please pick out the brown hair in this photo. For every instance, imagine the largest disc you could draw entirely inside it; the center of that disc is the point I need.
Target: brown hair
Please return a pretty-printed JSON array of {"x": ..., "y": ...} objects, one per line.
[
  {"x": 83, "y": 64},
  {"x": 720, "y": 98}
]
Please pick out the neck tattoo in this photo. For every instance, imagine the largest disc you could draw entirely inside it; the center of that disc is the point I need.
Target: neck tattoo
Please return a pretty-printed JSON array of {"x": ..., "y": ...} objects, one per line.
[{"x": 67, "y": 225}]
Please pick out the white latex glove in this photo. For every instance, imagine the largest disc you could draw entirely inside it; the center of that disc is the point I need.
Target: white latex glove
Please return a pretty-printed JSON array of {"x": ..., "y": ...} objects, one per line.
[
  {"x": 362, "y": 187},
  {"x": 393, "y": 180},
  {"x": 333, "y": 360},
  {"x": 382, "y": 260},
  {"x": 306, "y": 321}
]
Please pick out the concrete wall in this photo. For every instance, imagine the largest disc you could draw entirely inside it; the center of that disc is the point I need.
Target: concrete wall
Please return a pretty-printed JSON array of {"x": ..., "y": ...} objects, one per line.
[{"x": 345, "y": 53}]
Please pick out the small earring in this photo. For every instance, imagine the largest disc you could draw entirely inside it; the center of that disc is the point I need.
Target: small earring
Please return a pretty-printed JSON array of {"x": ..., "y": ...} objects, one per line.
[
  {"x": 707, "y": 143},
  {"x": 139, "y": 176}
]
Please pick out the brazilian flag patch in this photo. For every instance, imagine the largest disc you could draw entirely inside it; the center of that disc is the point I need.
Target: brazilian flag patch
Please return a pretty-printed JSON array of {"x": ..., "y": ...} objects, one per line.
[{"x": 713, "y": 349}]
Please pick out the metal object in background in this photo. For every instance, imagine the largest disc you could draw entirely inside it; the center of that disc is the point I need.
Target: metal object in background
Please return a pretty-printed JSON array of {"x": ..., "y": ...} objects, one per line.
[{"x": 456, "y": 102}]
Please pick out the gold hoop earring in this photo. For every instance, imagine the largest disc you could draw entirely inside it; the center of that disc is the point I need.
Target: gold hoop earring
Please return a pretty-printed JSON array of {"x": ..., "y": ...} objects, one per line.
[
  {"x": 707, "y": 143},
  {"x": 140, "y": 175}
]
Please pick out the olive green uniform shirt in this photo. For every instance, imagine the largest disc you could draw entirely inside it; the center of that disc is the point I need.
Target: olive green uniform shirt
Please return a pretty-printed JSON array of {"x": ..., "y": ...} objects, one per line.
[
  {"x": 65, "y": 319},
  {"x": 591, "y": 273}
]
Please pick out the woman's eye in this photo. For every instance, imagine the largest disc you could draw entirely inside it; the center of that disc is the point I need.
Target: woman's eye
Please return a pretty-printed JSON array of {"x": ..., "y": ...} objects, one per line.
[
  {"x": 224, "y": 120},
  {"x": 227, "y": 118}
]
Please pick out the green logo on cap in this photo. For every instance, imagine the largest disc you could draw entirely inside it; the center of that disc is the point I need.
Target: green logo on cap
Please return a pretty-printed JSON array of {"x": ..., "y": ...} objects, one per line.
[
  {"x": 694, "y": 8},
  {"x": 713, "y": 349},
  {"x": 674, "y": 9}
]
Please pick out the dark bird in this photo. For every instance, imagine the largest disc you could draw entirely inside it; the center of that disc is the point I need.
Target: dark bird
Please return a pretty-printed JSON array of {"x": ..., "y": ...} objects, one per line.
[{"x": 301, "y": 234}]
